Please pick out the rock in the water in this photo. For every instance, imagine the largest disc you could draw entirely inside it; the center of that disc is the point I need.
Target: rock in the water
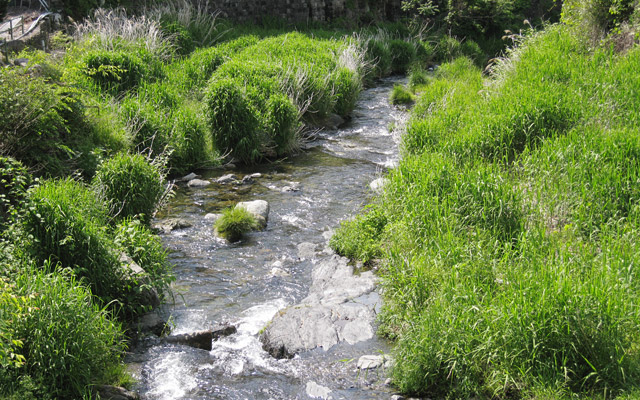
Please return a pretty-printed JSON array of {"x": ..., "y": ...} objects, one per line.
[
  {"x": 171, "y": 224},
  {"x": 189, "y": 177},
  {"x": 202, "y": 339},
  {"x": 328, "y": 315},
  {"x": 229, "y": 178},
  {"x": 21, "y": 62},
  {"x": 151, "y": 323},
  {"x": 258, "y": 208},
  {"x": 307, "y": 251},
  {"x": 291, "y": 187},
  {"x": 370, "y": 362},
  {"x": 148, "y": 296},
  {"x": 248, "y": 179},
  {"x": 198, "y": 183},
  {"x": 316, "y": 391},
  {"x": 210, "y": 217},
  {"x": 334, "y": 121},
  {"x": 107, "y": 392},
  {"x": 377, "y": 185}
]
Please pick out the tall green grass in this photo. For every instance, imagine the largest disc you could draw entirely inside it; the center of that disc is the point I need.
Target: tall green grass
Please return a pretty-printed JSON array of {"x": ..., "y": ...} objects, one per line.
[{"x": 509, "y": 232}]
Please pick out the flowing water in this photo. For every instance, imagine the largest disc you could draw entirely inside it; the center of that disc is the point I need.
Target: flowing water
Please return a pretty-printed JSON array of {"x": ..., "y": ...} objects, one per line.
[{"x": 247, "y": 283}]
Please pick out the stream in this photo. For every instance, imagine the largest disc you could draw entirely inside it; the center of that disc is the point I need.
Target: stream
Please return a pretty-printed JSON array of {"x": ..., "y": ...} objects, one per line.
[{"x": 247, "y": 283}]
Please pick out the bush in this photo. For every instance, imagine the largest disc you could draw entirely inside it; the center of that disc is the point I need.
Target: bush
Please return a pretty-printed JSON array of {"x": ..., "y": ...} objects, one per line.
[
  {"x": 131, "y": 185},
  {"x": 347, "y": 88},
  {"x": 282, "y": 124},
  {"x": 181, "y": 37},
  {"x": 14, "y": 181},
  {"x": 234, "y": 223},
  {"x": 65, "y": 223},
  {"x": 37, "y": 121},
  {"x": 400, "y": 95},
  {"x": 402, "y": 55},
  {"x": 190, "y": 143},
  {"x": 379, "y": 55},
  {"x": 114, "y": 71},
  {"x": 147, "y": 125},
  {"x": 66, "y": 342},
  {"x": 232, "y": 121}
]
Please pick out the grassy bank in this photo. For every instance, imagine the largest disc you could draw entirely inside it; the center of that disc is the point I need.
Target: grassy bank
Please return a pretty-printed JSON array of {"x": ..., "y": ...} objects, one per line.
[
  {"x": 89, "y": 135},
  {"x": 508, "y": 233}
]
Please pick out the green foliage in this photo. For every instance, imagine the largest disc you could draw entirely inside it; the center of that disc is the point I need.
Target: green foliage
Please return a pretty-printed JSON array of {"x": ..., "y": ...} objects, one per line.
[
  {"x": 234, "y": 223},
  {"x": 37, "y": 121},
  {"x": 402, "y": 55},
  {"x": 282, "y": 123},
  {"x": 14, "y": 181},
  {"x": 131, "y": 185},
  {"x": 233, "y": 121},
  {"x": 65, "y": 341},
  {"x": 597, "y": 15},
  {"x": 145, "y": 248},
  {"x": 511, "y": 223},
  {"x": 66, "y": 223},
  {"x": 182, "y": 38},
  {"x": 114, "y": 71},
  {"x": 361, "y": 237},
  {"x": 379, "y": 55},
  {"x": 417, "y": 78},
  {"x": 401, "y": 95}
]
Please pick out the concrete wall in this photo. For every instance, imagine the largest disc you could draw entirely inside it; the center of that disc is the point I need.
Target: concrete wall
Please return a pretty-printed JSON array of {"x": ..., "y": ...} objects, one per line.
[{"x": 307, "y": 10}]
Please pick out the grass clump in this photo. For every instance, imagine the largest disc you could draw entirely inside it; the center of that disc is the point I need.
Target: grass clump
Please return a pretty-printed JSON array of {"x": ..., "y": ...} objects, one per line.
[
  {"x": 401, "y": 95},
  {"x": 114, "y": 71},
  {"x": 131, "y": 185},
  {"x": 65, "y": 341},
  {"x": 14, "y": 181},
  {"x": 360, "y": 238},
  {"x": 234, "y": 223}
]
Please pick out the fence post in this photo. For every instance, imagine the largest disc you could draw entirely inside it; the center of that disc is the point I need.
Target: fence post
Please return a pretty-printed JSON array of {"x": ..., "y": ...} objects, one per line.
[{"x": 11, "y": 28}]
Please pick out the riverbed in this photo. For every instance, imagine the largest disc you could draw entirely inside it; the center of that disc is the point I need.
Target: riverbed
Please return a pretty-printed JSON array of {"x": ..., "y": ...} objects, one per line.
[{"x": 247, "y": 283}]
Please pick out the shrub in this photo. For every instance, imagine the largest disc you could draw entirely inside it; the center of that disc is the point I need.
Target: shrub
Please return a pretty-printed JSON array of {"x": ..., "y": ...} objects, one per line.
[
  {"x": 418, "y": 77},
  {"x": 190, "y": 143},
  {"x": 402, "y": 55},
  {"x": 448, "y": 49},
  {"x": 67, "y": 342},
  {"x": 346, "y": 88},
  {"x": 181, "y": 37},
  {"x": 282, "y": 123},
  {"x": 232, "y": 121},
  {"x": 14, "y": 181},
  {"x": 131, "y": 185},
  {"x": 114, "y": 71},
  {"x": 37, "y": 119},
  {"x": 400, "y": 95},
  {"x": 147, "y": 125},
  {"x": 379, "y": 55},
  {"x": 472, "y": 50},
  {"x": 65, "y": 223},
  {"x": 424, "y": 53},
  {"x": 234, "y": 223}
]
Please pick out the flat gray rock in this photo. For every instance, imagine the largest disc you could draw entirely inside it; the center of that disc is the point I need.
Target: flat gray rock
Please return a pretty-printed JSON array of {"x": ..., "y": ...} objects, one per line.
[
  {"x": 316, "y": 391},
  {"x": 229, "y": 178},
  {"x": 372, "y": 362},
  {"x": 330, "y": 314},
  {"x": 189, "y": 177},
  {"x": 198, "y": 183}
]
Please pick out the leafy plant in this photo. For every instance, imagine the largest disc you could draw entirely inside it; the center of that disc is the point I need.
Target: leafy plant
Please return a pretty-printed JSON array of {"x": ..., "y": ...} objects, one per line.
[
  {"x": 400, "y": 95},
  {"x": 131, "y": 185},
  {"x": 14, "y": 181},
  {"x": 234, "y": 223}
]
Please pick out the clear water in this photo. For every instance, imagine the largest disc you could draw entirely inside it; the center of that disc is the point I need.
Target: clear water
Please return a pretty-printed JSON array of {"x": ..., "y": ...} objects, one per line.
[{"x": 247, "y": 283}]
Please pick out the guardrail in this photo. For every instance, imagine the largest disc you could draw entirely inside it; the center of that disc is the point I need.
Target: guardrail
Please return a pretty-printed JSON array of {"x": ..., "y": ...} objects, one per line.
[{"x": 11, "y": 25}]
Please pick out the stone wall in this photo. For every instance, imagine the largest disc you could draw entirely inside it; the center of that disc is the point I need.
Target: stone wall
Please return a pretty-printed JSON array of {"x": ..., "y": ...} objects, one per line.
[{"x": 301, "y": 11}]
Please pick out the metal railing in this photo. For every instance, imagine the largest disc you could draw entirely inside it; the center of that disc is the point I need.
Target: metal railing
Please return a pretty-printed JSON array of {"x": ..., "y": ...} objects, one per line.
[{"x": 11, "y": 25}]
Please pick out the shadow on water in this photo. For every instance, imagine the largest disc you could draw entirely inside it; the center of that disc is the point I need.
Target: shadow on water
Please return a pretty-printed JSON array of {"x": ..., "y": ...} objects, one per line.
[{"x": 247, "y": 283}]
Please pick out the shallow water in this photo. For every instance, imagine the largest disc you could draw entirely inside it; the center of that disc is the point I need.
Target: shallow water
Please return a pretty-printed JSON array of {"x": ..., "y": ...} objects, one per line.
[{"x": 247, "y": 283}]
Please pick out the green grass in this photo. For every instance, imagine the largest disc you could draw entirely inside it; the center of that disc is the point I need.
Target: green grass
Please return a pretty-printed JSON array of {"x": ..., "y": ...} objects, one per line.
[
  {"x": 401, "y": 95},
  {"x": 510, "y": 228},
  {"x": 234, "y": 223}
]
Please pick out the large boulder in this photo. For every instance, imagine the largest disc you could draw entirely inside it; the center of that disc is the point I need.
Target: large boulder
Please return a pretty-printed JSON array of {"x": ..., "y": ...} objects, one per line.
[{"x": 258, "y": 208}]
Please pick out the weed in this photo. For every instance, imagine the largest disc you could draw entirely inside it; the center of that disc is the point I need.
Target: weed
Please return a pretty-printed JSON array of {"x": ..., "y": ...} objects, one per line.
[{"x": 234, "y": 223}]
